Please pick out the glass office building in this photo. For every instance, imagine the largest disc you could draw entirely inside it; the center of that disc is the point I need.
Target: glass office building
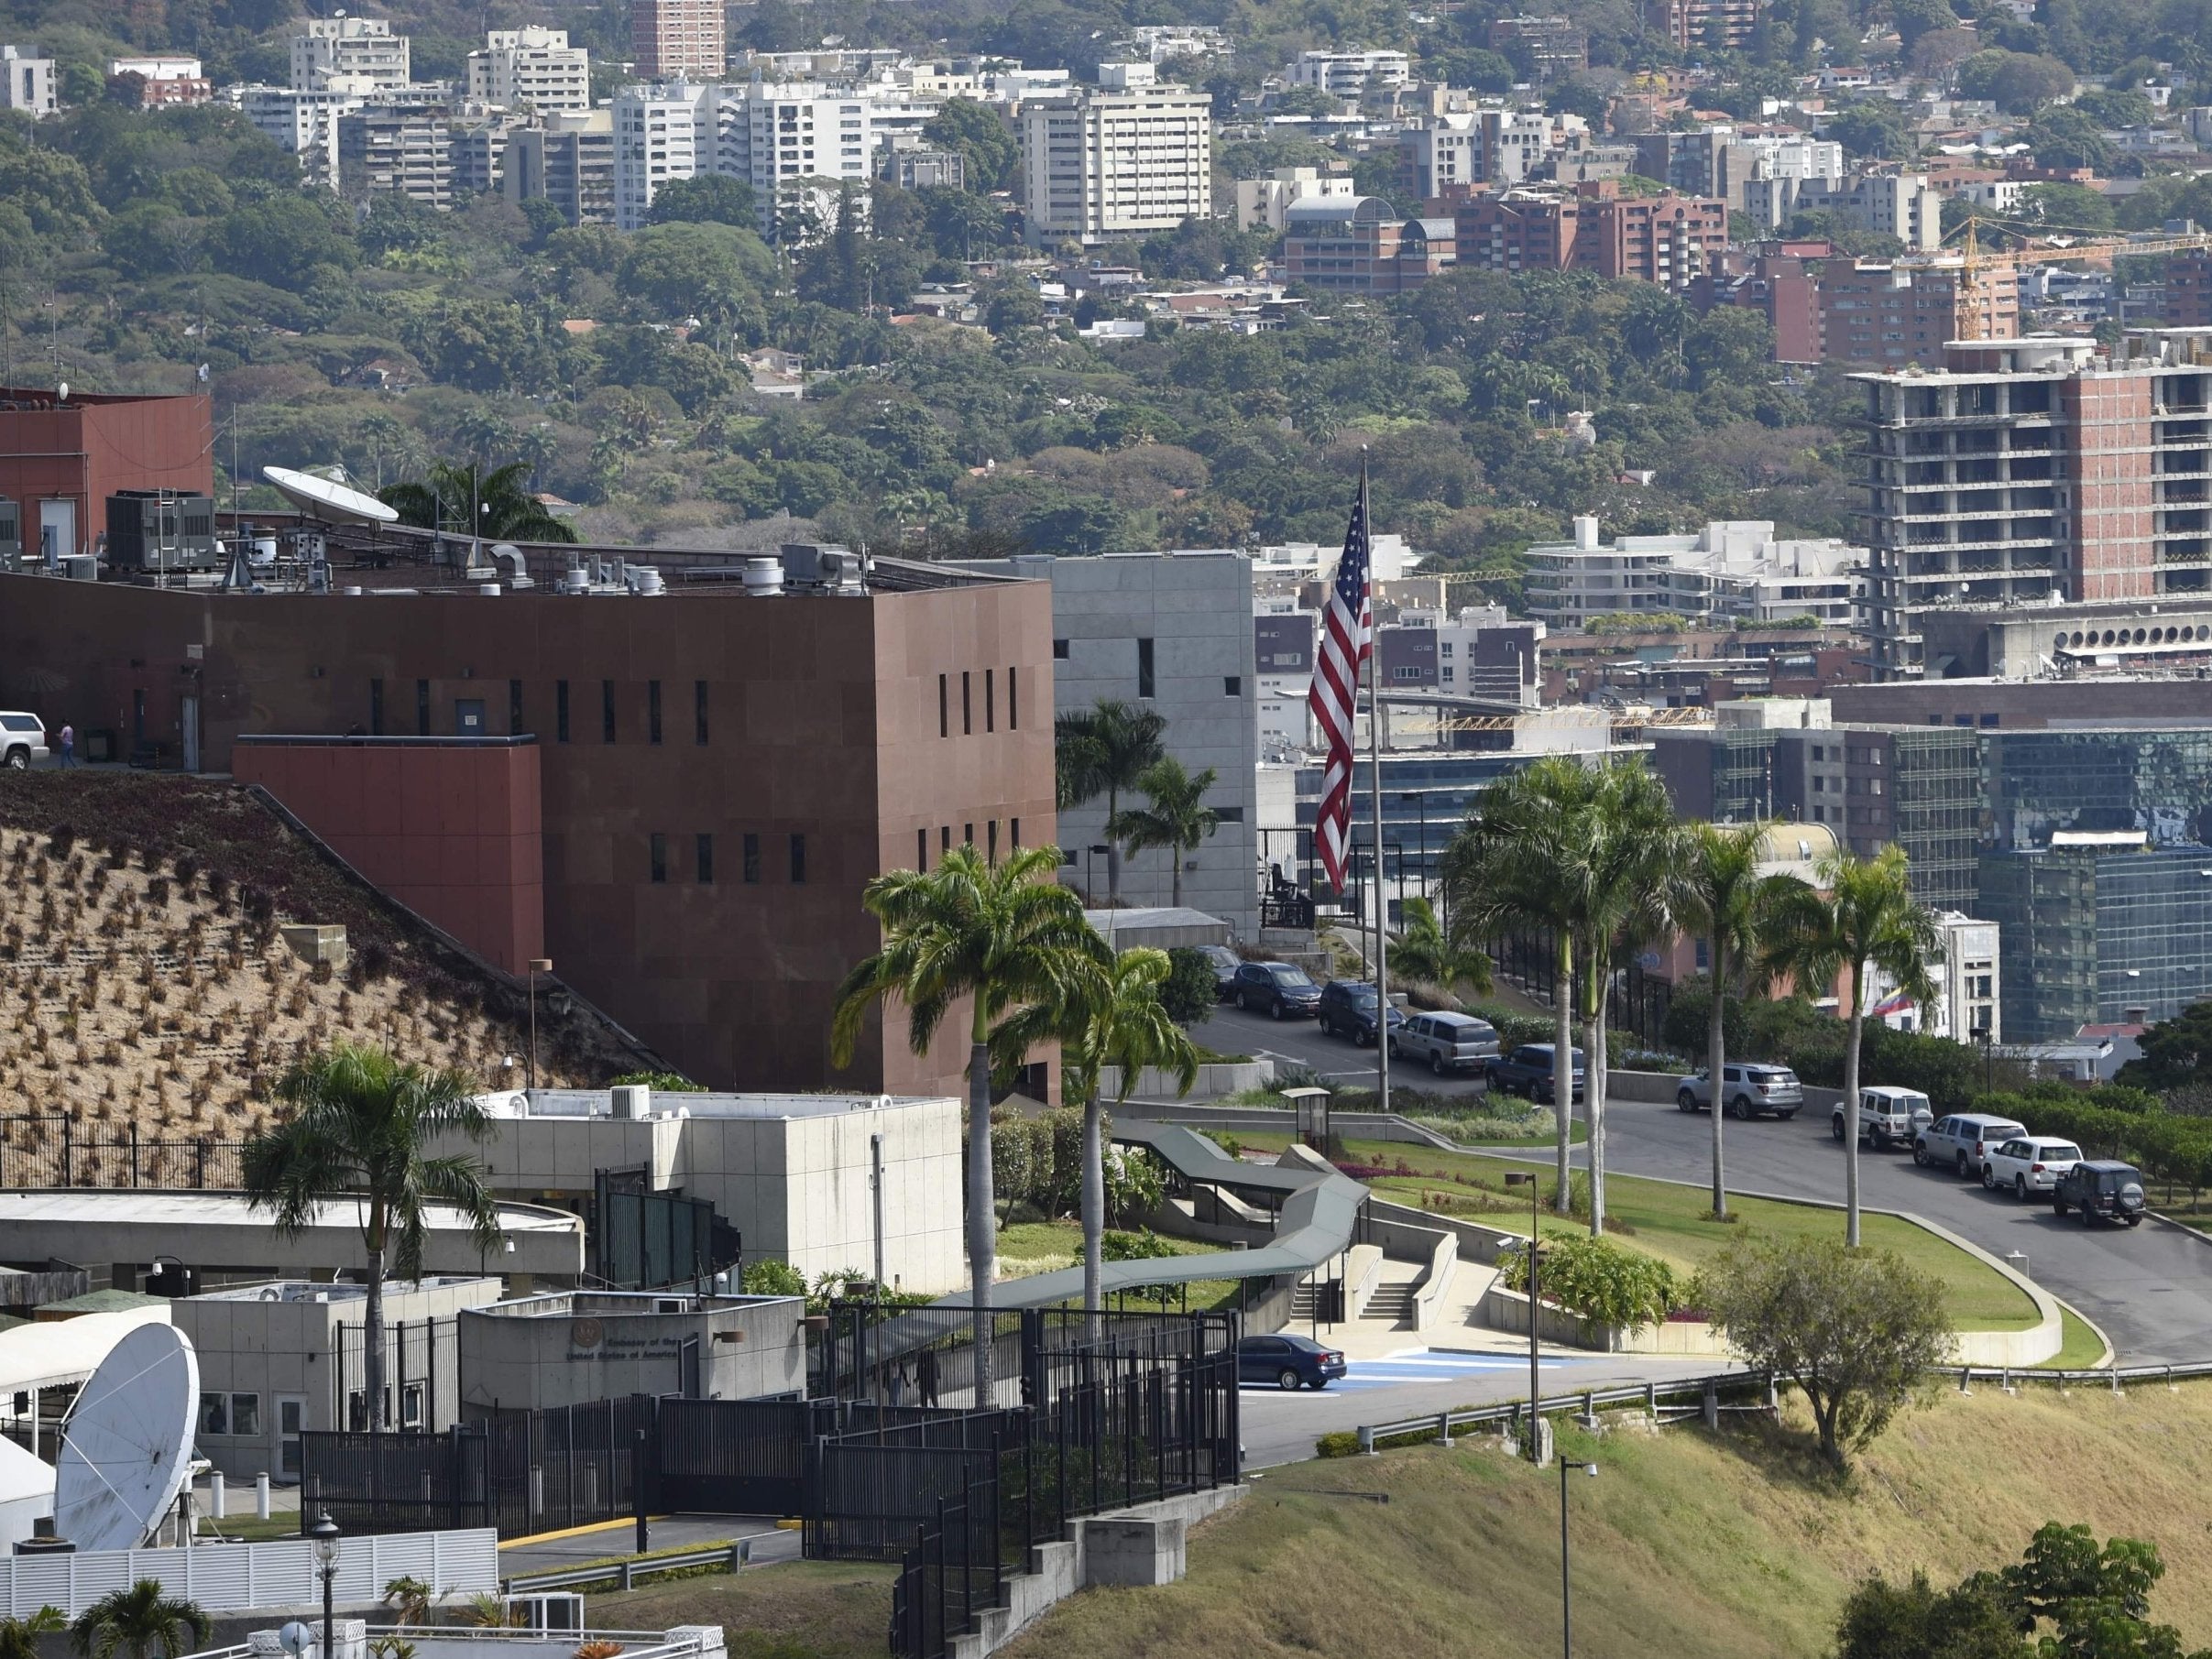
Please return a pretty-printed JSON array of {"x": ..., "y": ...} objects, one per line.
[{"x": 2037, "y": 782}]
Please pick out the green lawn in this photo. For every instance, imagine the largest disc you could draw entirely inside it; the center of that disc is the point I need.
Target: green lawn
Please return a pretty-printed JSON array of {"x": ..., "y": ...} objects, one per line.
[
  {"x": 1028, "y": 1248},
  {"x": 2082, "y": 1348},
  {"x": 1675, "y": 1224}
]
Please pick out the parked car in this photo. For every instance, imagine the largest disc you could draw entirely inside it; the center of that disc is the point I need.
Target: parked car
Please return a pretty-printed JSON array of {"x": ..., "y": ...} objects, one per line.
[
  {"x": 1281, "y": 990},
  {"x": 1886, "y": 1117},
  {"x": 1449, "y": 1042},
  {"x": 22, "y": 740},
  {"x": 2031, "y": 1166},
  {"x": 1224, "y": 963},
  {"x": 1528, "y": 1071},
  {"x": 2100, "y": 1188},
  {"x": 1747, "y": 1089},
  {"x": 1288, "y": 1360},
  {"x": 1963, "y": 1141},
  {"x": 1347, "y": 1010}
]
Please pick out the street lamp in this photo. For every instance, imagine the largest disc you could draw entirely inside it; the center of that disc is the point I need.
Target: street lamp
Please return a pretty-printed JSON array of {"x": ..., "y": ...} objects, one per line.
[
  {"x": 323, "y": 1534},
  {"x": 538, "y": 965},
  {"x": 1566, "y": 1597},
  {"x": 1528, "y": 1178}
]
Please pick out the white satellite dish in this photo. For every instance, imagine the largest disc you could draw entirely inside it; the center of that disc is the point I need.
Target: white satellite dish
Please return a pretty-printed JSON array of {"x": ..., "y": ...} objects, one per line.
[
  {"x": 127, "y": 1444},
  {"x": 331, "y": 503}
]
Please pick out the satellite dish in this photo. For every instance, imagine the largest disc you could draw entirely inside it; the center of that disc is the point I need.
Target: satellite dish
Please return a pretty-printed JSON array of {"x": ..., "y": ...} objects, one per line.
[
  {"x": 62, "y": 391},
  {"x": 331, "y": 503},
  {"x": 127, "y": 1444}
]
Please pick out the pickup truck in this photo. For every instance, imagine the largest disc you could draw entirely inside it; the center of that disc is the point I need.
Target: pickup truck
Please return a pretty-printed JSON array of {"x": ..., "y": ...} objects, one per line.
[{"x": 1886, "y": 1117}]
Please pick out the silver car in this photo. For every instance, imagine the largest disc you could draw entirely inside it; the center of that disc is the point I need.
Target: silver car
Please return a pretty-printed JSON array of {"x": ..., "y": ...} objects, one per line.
[
  {"x": 1963, "y": 1142},
  {"x": 1747, "y": 1091},
  {"x": 1449, "y": 1042},
  {"x": 22, "y": 740}
]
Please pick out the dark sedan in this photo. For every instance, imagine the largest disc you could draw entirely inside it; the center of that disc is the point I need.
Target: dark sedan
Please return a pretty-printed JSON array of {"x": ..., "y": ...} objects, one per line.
[
  {"x": 1281, "y": 990},
  {"x": 1289, "y": 1361}
]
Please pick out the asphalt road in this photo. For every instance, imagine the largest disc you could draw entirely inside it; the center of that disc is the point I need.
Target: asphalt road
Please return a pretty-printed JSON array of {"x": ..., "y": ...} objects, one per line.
[{"x": 2149, "y": 1288}]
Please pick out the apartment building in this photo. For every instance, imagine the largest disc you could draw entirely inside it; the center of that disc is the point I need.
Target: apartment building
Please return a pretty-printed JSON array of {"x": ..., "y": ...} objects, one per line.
[
  {"x": 2188, "y": 289},
  {"x": 1886, "y": 315},
  {"x": 354, "y": 49},
  {"x": 678, "y": 39},
  {"x": 1264, "y": 203},
  {"x": 1711, "y": 24},
  {"x": 1099, "y": 165},
  {"x": 1904, "y": 205},
  {"x": 530, "y": 66},
  {"x": 1352, "y": 74},
  {"x": 1667, "y": 239},
  {"x": 1779, "y": 282},
  {"x": 1728, "y": 568},
  {"x": 1358, "y": 244},
  {"x": 305, "y": 122},
  {"x": 1448, "y": 156},
  {"x": 158, "y": 82},
  {"x": 1477, "y": 652},
  {"x": 27, "y": 81},
  {"x": 1552, "y": 47},
  {"x": 1725, "y": 162},
  {"x": 569, "y": 160},
  {"x": 2034, "y": 470}
]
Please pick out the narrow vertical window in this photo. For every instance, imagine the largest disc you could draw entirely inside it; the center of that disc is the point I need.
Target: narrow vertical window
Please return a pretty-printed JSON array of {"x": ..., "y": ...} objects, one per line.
[
  {"x": 652, "y": 711},
  {"x": 376, "y": 708},
  {"x": 421, "y": 708},
  {"x": 660, "y": 856},
  {"x": 944, "y": 838},
  {"x": 698, "y": 712},
  {"x": 516, "y": 725},
  {"x": 561, "y": 711},
  {"x": 798, "y": 859},
  {"x": 1013, "y": 834},
  {"x": 752, "y": 857},
  {"x": 1013, "y": 701},
  {"x": 606, "y": 711},
  {"x": 990, "y": 699},
  {"x": 991, "y": 831},
  {"x": 921, "y": 849},
  {"x": 702, "y": 859},
  {"x": 1143, "y": 667},
  {"x": 943, "y": 709},
  {"x": 967, "y": 836},
  {"x": 968, "y": 711}
]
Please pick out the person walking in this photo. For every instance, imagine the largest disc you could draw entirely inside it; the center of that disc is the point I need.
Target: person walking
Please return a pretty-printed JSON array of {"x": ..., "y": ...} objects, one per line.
[{"x": 69, "y": 745}]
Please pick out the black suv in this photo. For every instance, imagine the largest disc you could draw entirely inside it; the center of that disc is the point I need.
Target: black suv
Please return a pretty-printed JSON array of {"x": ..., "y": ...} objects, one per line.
[
  {"x": 1279, "y": 990},
  {"x": 1528, "y": 1071},
  {"x": 2100, "y": 1187},
  {"x": 1348, "y": 1010}
]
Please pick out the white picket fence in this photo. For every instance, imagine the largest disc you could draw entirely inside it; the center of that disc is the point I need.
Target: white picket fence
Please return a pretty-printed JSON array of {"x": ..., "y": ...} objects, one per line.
[{"x": 236, "y": 1578}]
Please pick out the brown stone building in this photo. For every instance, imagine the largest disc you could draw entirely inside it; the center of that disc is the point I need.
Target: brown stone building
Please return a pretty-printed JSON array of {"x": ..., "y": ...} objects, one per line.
[
  {"x": 1669, "y": 239},
  {"x": 717, "y": 776}
]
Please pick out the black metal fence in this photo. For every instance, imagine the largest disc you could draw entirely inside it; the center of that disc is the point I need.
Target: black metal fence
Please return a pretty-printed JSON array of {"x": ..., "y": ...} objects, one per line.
[
  {"x": 422, "y": 1376},
  {"x": 48, "y": 1149}
]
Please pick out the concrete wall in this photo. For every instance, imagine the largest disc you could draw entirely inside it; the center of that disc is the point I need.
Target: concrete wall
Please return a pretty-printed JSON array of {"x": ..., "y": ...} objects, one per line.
[{"x": 559, "y": 1350}]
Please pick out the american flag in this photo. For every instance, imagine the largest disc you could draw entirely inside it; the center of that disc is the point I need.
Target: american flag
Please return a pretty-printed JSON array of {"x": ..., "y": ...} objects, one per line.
[{"x": 1347, "y": 635}]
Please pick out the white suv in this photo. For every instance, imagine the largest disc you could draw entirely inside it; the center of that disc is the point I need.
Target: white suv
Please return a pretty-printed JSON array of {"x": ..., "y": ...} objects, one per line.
[
  {"x": 22, "y": 740},
  {"x": 2029, "y": 1165},
  {"x": 1886, "y": 1117},
  {"x": 1963, "y": 1141}
]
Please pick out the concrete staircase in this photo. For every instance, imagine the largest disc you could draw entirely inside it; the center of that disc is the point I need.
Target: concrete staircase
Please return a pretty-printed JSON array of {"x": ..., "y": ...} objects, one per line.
[{"x": 1391, "y": 1304}]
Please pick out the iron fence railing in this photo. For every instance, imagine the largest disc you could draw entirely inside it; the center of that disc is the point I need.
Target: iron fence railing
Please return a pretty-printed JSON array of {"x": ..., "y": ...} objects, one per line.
[{"x": 48, "y": 1150}]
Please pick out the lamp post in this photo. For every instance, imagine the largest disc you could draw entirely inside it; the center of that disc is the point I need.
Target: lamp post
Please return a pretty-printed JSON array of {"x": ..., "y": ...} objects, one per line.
[
  {"x": 1528, "y": 1178},
  {"x": 1981, "y": 1035},
  {"x": 1091, "y": 871},
  {"x": 538, "y": 965},
  {"x": 1566, "y": 1595},
  {"x": 324, "y": 1537}
]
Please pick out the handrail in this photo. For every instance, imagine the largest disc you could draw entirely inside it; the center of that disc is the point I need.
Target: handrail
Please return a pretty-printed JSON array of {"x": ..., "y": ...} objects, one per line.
[{"x": 731, "y": 1555}]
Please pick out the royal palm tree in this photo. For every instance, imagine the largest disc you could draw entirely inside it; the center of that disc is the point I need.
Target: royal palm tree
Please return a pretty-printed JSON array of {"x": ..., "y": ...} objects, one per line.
[
  {"x": 1006, "y": 938},
  {"x": 357, "y": 1124},
  {"x": 1113, "y": 1017},
  {"x": 1424, "y": 951},
  {"x": 501, "y": 500},
  {"x": 1856, "y": 915},
  {"x": 1103, "y": 750},
  {"x": 1177, "y": 818},
  {"x": 141, "y": 1622},
  {"x": 1501, "y": 875},
  {"x": 1723, "y": 898}
]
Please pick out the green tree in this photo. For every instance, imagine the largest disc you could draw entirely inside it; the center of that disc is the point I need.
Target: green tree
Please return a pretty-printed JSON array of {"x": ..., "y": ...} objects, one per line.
[
  {"x": 709, "y": 199},
  {"x": 1111, "y": 1015},
  {"x": 1914, "y": 1620},
  {"x": 2176, "y": 1053},
  {"x": 1175, "y": 819},
  {"x": 1423, "y": 950},
  {"x": 2017, "y": 82},
  {"x": 1855, "y": 1330},
  {"x": 356, "y": 1126},
  {"x": 1857, "y": 916},
  {"x": 674, "y": 271},
  {"x": 504, "y": 508},
  {"x": 142, "y": 1621},
  {"x": 1190, "y": 992},
  {"x": 991, "y": 157},
  {"x": 1003, "y": 938},
  {"x": 2062, "y": 136},
  {"x": 1103, "y": 750},
  {"x": 19, "y": 1637},
  {"x": 1873, "y": 129},
  {"x": 284, "y": 240}
]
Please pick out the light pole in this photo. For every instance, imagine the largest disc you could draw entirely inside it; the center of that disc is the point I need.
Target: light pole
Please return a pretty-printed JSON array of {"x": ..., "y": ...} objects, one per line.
[
  {"x": 324, "y": 1535},
  {"x": 1528, "y": 1178},
  {"x": 1989, "y": 1060},
  {"x": 1566, "y": 1596},
  {"x": 1091, "y": 871},
  {"x": 538, "y": 965}
]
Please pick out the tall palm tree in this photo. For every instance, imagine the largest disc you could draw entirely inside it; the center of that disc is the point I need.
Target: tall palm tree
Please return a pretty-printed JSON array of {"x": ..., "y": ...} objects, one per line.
[
  {"x": 1177, "y": 818},
  {"x": 1103, "y": 750},
  {"x": 358, "y": 1123},
  {"x": 1501, "y": 875},
  {"x": 501, "y": 500},
  {"x": 1007, "y": 938},
  {"x": 1723, "y": 898},
  {"x": 1857, "y": 915},
  {"x": 1424, "y": 951},
  {"x": 140, "y": 1621},
  {"x": 1112, "y": 1017}
]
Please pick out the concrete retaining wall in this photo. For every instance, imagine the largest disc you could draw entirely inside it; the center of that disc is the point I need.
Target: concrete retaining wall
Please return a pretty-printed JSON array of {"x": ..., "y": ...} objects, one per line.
[
  {"x": 1435, "y": 1281},
  {"x": 1280, "y": 1121},
  {"x": 1476, "y": 1242},
  {"x": 1213, "y": 1080},
  {"x": 1363, "y": 1272},
  {"x": 1505, "y": 1310}
]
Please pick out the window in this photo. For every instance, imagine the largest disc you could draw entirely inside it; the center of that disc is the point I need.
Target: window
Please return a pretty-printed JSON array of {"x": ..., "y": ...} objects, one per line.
[
  {"x": 990, "y": 699},
  {"x": 1013, "y": 704},
  {"x": 1229, "y": 814},
  {"x": 659, "y": 844},
  {"x": 967, "y": 835},
  {"x": 921, "y": 848},
  {"x": 702, "y": 858},
  {"x": 798, "y": 859},
  {"x": 967, "y": 712},
  {"x": 1145, "y": 685},
  {"x": 215, "y": 1414},
  {"x": 991, "y": 831},
  {"x": 606, "y": 711},
  {"x": 561, "y": 711},
  {"x": 1013, "y": 834},
  {"x": 514, "y": 708},
  {"x": 421, "y": 708},
  {"x": 752, "y": 847},
  {"x": 1233, "y": 686},
  {"x": 246, "y": 1414},
  {"x": 944, "y": 717},
  {"x": 652, "y": 711},
  {"x": 1059, "y": 650},
  {"x": 945, "y": 839},
  {"x": 698, "y": 712},
  {"x": 376, "y": 708}
]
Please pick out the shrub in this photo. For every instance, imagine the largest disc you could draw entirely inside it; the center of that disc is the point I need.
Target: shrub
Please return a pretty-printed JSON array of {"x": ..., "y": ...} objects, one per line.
[
  {"x": 767, "y": 1278},
  {"x": 1599, "y": 1280},
  {"x": 661, "y": 1083},
  {"x": 1187, "y": 993},
  {"x": 1143, "y": 1246}
]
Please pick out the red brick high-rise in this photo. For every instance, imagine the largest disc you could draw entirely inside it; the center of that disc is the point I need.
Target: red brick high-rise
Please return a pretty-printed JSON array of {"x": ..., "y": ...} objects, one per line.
[{"x": 678, "y": 39}]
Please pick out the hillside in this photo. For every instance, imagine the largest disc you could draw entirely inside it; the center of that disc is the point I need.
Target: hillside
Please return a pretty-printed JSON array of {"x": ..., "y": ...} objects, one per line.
[{"x": 144, "y": 983}]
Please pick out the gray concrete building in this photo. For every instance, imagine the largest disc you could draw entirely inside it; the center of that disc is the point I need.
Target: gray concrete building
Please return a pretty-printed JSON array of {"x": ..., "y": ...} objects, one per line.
[{"x": 546, "y": 1352}]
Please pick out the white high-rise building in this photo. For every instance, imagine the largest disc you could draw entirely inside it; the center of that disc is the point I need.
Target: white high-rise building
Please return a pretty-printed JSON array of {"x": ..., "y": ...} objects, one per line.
[
  {"x": 532, "y": 66},
  {"x": 1101, "y": 166},
  {"x": 30, "y": 86},
  {"x": 353, "y": 48},
  {"x": 1728, "y": 568},
  {"x": 1348, "y": 74},
  {"x": 305, "y": 121}
]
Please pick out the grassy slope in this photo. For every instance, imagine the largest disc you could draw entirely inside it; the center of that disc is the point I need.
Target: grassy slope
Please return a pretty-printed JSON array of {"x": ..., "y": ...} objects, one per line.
[
  {"x": 802, "y": 1610},
  {"x": 1675, "y": 1222},
  {"x": 1687, "y": 1543}
]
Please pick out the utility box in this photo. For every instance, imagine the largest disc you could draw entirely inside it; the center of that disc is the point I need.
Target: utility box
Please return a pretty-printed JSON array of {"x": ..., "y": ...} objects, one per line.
[
  {"x": 316, "y": 941},
  {"x": 160, "y": 530}
]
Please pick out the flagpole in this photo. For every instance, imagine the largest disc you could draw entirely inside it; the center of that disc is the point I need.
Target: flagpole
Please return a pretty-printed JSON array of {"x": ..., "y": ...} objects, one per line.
[{"x": 1374, "y": 779}]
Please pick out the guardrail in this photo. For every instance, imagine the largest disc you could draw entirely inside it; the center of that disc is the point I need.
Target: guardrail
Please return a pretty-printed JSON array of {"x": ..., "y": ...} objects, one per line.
[
  {"x": 732, "y": 1557},
  {"x": 1709, "y": 1389}
]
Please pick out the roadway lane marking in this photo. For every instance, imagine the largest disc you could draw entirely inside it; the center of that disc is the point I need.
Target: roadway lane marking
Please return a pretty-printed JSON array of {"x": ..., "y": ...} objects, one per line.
[{"x": 1422, "y": 1365}]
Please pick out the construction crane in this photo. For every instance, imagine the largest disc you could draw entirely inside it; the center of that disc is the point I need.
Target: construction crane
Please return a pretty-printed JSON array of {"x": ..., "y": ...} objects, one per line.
[{"x": 2095, "y": 247}]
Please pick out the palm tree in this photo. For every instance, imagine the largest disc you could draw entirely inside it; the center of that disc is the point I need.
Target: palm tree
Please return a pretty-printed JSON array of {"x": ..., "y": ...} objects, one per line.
[
  {"x": 139, "y": 1620},
  {"x": 1501, "y": 875},
  {"x": 1006, "y": 937},
  {"x": 1722, "y": 896},
  {"x": 1112, "y": 1017},
  {"x": 1102, "y": 751},
  {"x": 1858, "y": 915},
  {"x": 1177, "y": 818},
  {"x": 1424, "y": 951},
  {"x": 19, "y": 1637},
  {"x": 504, "y": 508},
  {"x": 358, "y": 1123}
]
